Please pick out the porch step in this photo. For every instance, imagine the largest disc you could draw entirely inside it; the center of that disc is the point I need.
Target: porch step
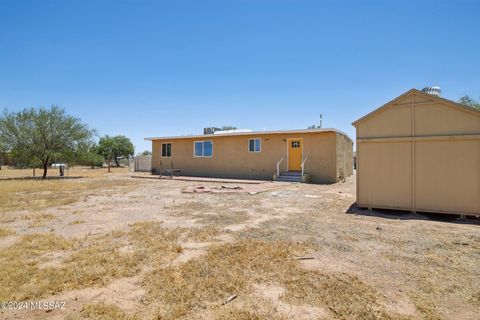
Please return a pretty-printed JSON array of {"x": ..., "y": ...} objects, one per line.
[{"x": 290, "y": 177}]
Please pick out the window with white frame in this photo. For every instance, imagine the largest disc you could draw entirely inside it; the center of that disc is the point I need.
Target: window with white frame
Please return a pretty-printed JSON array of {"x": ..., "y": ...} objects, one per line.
[
  {"x": 203, "y": 148},
  {"x": 254, "y": 145},
  {"x": 166, "y": 149}
]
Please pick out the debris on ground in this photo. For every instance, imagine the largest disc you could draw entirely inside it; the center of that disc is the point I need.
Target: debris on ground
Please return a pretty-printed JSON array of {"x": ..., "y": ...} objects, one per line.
[
  {"x": 231, "y": 187},
  {"x": 303, "y": 258},
  {"x": 234, "y": 188},
  {"x": 229, "y": 299},
  {"x": 196, "y": 189}
]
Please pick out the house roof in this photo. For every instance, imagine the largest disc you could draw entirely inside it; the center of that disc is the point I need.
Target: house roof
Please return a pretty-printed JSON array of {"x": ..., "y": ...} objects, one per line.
[
  {"x": 252, "y": 133},
  {"x": 435, "y": 98}
]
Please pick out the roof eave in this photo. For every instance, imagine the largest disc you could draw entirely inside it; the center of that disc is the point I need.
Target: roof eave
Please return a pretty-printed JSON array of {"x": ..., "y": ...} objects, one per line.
[{"x": 250, "y": 133}]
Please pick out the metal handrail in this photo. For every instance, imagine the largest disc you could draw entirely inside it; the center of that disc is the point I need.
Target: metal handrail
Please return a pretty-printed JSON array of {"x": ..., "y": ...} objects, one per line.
[
  {"x": 303, "y": 165},
  {"x": 278, "y": 166}
]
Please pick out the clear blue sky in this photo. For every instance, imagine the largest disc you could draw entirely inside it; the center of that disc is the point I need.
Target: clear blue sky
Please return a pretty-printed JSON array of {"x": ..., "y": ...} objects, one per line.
[{"x": 153, "y": 68}]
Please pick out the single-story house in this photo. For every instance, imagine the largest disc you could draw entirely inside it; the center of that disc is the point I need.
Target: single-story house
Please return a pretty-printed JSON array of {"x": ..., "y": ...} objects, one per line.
[
  {"x": 419, "y": 152},
  {"x": 315, "y": 155}
]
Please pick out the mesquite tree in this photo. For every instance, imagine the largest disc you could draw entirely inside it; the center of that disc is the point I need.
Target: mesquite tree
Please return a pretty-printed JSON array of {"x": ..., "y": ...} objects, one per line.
[
  {"x": 112, "y": 148},
  {"x": 43, "y": 134}
]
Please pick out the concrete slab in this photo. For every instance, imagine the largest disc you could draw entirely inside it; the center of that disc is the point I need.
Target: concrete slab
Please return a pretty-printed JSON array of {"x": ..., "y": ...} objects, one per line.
[{"x": 198, "y": 179}]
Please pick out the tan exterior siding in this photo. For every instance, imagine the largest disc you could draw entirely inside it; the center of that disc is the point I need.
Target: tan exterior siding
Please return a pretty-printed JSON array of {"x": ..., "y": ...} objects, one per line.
[
  {"x": 344, "y": 156},
  {"x": 420, "y": 153},
  {"x": 452, "y": 180},
  {"x": 384, "y": 174},
  {"x": 232, "y": 159}
]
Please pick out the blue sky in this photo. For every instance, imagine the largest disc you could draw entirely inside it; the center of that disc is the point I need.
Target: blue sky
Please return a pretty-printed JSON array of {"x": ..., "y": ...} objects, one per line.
[{"x": 154, "y": 68}]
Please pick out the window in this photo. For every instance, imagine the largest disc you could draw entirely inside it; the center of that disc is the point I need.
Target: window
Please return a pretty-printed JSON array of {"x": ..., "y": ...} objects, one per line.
[
  {"x": 254, "y": 145},
  {"x": 295, "y": 144},
  {"x": 166, "y": 149},
  {"x": 203, "y": 148}
]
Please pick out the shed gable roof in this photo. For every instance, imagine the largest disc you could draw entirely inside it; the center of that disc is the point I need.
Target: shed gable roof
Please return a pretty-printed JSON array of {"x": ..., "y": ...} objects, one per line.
[{"x": 411, "y": 92}]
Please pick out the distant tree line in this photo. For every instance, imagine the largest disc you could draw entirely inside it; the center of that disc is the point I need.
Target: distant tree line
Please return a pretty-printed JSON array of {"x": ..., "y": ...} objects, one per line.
[
  {"x": 40, "y": 137},
  {"x": 470, "y": 102}
]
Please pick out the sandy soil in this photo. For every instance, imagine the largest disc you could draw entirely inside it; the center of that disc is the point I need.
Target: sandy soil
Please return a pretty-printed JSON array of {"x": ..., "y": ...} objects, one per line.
[{"x": 423, "y": 266}]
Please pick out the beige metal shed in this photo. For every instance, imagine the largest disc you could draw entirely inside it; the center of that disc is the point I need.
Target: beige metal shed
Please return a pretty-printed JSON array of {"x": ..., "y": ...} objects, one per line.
[{"x": 419, "y": 152}]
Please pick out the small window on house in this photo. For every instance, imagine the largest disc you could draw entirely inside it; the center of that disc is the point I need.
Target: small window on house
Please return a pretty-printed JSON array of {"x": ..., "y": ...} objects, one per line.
[
  {"x": 295, "y": 144},
  {"x": 254, "y": 145},
  {"x": 203, "y": 148},
  {"x": 166, "y": 149}
]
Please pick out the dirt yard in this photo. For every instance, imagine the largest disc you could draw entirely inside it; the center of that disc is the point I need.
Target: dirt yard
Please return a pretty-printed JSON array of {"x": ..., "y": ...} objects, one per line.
[{"x": 114, "y": 247}]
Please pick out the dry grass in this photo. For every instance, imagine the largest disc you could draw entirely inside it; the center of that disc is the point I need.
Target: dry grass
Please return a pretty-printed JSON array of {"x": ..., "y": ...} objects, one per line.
[
  {"x": 252, "y": 310},
  {"x": 87, "y": 172},
  {"x": 202, "y": 234},
  {"x": 99, "y": 262},
  {"x": 190, "y": 207},
  {"x": 88, "y": 263},
  {"x": 20, "y": 278},
  {"x": 100, "y": 311},
  {"x": 154, "y": 244},
  {"x": 74, "y": 222},
  {"x": 210, "y": 214},
  {"x": 223, "y": 217},
  {"x": 38, "y": 194},
  {"x": 223, "y": 271},
  {"x": 4, "y": 232},
  {"x": 365, "y": 267},
  {"x": 204, "y": 283},
  {"x": 429, "y": 267},
  {"x": 345, "y": 296},
  {"x": 38, "y": 219}
]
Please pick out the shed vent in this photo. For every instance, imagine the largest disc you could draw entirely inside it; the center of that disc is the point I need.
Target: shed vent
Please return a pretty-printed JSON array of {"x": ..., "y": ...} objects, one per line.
[{"x": 432, "y": 90}]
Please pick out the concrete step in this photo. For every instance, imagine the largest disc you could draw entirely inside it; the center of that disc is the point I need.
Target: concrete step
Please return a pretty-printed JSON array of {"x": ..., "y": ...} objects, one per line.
[
  {"x": 291, "y": 173},
  {"x": 290, "y": 178}
]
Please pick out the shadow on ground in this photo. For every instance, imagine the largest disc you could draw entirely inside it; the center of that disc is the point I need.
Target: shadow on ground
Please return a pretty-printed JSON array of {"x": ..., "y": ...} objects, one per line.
[{"x": 406, "y": 215}]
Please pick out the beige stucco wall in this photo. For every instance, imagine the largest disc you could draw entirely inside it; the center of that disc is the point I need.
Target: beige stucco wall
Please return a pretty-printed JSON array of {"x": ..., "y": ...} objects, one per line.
[
  {"x": 420, "y": 154},
  {"x": 231, "y": 158},
  {"x": 344, "y": 156}
]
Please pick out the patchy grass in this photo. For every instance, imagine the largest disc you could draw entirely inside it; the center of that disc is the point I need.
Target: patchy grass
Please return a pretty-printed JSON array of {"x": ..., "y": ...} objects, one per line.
[
  {"x": 87, "y": 172},
  {"x": 202, "y": 234},
  {"x": 249, "y": 311},
  {"x": 100, "y": 311},
  {"x": 209, "y": 214},
  {"x": 153, "y": 243},
  {"x": 20, "y": 278},
  {"x": 223, "y": 218},
  {"x": 365, "y": 267},
  {"x": 38, "y": 219},
  {"x": 223, "y": 271},
  {"x": 433, "y": 268},
  {"x": 97, "y": 264},
  {"x": 345, "y": 296},
  {"x": 38, "y": 194},
  {"x": 229, "y": 269},
  {"x": 4, "y": 232},
  {"x": 190, "y": 207},
  {"x": 92, "y": 262},
  {"x": 74, "y": 222}
]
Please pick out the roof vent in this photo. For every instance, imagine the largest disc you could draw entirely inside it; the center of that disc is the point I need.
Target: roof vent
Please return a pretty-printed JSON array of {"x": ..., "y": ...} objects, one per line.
[
  {"x": 436, "y": 91},
  {"x": 211, "y": 130}
]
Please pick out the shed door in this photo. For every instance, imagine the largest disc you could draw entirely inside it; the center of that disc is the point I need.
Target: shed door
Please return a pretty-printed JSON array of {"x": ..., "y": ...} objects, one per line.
[{"x": 295, "y": 148}]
